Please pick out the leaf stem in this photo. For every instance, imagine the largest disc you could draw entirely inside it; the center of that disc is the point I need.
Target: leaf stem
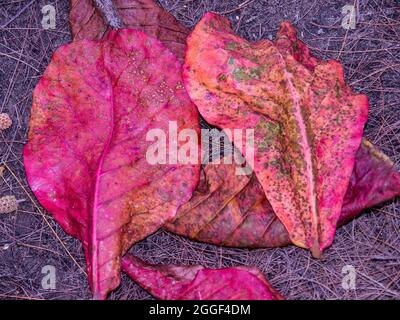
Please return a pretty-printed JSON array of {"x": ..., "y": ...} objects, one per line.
[{"x": 109, "y": 13}]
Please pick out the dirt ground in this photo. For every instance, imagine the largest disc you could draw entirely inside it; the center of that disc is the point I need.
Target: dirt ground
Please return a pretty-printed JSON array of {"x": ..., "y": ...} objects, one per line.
[{"x": 30, "y": 239}]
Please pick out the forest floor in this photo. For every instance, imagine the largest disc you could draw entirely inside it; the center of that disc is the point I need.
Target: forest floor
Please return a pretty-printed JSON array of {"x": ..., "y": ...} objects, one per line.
[{"x": 30, "y": 239}]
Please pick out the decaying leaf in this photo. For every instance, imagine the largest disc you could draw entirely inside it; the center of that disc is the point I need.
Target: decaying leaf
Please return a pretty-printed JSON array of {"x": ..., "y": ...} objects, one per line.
[
  {"x": 307, "y": 123},
  {"x": 232, "y": 210},
  {"x": 170, "y": 282},
  {"x": 86, "y": 156},
  {"x": 193, "y": 215},
  {"x": 143, "y": 15}
]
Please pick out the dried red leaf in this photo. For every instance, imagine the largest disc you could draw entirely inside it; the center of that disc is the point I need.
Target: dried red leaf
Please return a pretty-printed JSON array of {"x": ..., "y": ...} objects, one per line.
[
  {"x": 143, "y": 15},
  {"x": 373, "y": 181},
  {"x": 170, "y": 282},
  {"x": 307, "y": 123},
  {"x": 85, "y": 159},
  {"x": 232, "y": 210}
]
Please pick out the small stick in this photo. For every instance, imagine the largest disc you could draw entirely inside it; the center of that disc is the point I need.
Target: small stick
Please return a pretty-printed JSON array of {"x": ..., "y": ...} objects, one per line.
[{"x": 109, "y": 13}]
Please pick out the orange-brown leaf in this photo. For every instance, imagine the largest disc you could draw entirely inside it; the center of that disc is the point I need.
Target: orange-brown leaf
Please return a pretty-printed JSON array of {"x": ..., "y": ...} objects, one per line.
[
  {"x": 86, "y": 154},
  {"x": 144, "y": 15},
  {"x": 232, "y": 210}
]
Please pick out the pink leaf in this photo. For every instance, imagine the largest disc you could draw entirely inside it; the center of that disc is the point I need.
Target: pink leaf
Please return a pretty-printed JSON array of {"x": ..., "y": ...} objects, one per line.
[
  {"x": 86, "y": 155},
  {"x": 170, "y": 282},
  {"x": 373, "y": 181}
]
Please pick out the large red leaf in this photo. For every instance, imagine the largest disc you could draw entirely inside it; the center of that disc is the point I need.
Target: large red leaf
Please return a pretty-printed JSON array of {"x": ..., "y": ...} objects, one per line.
[
  {"x": 85, "y": 159},
  {"x": 143, "y": 15},
  {"x": 170, "y": 282},
  {"x": 307, "y": 123},
  {"x": 232, "y": 210}
]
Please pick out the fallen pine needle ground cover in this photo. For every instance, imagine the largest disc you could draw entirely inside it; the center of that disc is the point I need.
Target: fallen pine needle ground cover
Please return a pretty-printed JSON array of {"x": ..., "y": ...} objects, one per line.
[{"x": 32, "y": 243}]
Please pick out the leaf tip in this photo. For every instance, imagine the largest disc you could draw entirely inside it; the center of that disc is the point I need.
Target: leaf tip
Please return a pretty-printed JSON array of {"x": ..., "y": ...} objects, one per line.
[{"x": 316, "y": 250}]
